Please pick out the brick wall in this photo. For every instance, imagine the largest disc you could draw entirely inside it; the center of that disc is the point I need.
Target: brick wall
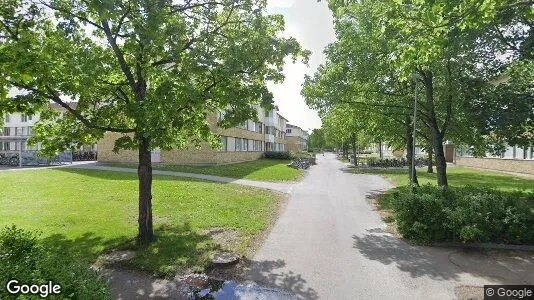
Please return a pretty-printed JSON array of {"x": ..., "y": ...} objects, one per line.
[
  {"x": 106, "y": 154},
  {"x": 295, "y": 144},
  {"x": 192, "y": 156},
  {"x": 508, "y": 165}
]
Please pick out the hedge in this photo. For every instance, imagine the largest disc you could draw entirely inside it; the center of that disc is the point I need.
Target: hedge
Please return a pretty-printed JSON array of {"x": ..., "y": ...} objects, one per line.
[{"x": 431, "y": 214}]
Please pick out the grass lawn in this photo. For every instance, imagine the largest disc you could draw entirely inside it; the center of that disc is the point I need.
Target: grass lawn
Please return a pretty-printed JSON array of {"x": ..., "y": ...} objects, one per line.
[
  {"x": 458, "y": 176},
  {"x": 93, "y": 211},
  {"x": 262, "y": 170}
]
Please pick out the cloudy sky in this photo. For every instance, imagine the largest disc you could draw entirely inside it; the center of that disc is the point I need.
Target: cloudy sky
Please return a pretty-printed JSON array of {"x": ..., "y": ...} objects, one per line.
[{"x": 311, "y": 24}]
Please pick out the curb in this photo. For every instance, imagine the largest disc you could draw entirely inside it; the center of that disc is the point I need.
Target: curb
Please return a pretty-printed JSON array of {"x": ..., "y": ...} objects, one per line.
[{"x": 485, "y": 246}]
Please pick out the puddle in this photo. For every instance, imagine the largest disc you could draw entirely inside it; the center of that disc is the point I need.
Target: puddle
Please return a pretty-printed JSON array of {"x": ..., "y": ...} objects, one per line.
[{"x": 229, "y": 290}]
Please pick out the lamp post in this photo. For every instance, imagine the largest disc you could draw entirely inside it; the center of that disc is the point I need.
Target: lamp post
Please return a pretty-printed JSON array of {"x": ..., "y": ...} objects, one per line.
[{"x": 412, "y": 171}]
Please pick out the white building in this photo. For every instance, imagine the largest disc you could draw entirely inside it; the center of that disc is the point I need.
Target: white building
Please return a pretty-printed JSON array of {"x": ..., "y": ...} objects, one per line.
[{"x": 17, "y": 129}]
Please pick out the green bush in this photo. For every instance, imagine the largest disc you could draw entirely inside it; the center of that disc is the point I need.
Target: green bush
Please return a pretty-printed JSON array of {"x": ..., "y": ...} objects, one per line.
[
  {"x": 277, "y": 155},
  {"x": 468, "y": 214},
  {"x": 24, "y": 258}
]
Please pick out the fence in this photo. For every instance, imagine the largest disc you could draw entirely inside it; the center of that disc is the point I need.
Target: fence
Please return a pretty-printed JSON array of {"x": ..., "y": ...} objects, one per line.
[{"x": 31, "y": 158}]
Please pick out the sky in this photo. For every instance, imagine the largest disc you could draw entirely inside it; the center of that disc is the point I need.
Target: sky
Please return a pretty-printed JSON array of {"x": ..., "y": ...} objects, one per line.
[{"x": 310, "y": 23}]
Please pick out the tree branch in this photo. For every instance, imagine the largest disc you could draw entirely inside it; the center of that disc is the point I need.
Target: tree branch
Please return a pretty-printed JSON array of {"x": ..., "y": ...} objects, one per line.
[
  {"x": 118, "y": 54},
  {"x": 53, "y": 96}
]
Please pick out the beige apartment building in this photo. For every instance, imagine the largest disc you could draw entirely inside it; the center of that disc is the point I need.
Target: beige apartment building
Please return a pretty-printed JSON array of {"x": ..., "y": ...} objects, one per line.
[
  {"x": 296, "y": 138},
  {"x": 243, "y": 143}
]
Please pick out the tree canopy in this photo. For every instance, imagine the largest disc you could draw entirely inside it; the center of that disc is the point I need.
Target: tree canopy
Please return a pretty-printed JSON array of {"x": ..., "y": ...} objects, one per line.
[
  {"x": 451, "y": 53},
  {"x": 151, "y": 70}
]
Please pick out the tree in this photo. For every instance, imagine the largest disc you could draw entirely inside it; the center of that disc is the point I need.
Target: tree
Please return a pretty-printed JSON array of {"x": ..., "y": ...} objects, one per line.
[
  {"x": 150, "y": 70},
  {"x": 439, "y": 44},
  {"x": 316, "y": 139}
]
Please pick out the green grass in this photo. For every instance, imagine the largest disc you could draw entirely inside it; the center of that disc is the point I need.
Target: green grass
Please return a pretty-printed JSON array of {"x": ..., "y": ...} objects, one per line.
[
  {"x": 261, "y": 170},
  {"x": 457, "y": 177},
  {"x": 91, "y": 212}
]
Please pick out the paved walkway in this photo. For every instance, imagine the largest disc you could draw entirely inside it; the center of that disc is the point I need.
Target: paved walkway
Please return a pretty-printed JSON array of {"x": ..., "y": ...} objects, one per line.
[
  {"x": 331, "y": 244},
  {"x": 276, "y": 186}
]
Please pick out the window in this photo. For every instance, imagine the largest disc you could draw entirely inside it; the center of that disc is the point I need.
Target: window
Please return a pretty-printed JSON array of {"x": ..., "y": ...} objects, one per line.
[
  {"x": 258, "y": 146},
  {"x": 288, "y": 130},
  {"x": 259, "y": 127},
  {"x": 6, "y": 131},
  {"x": 19, "y": 131},
  {"x": 238, "y": 144},
  {"x": 245, "y": 145},
  {"x": 266, "y": 113},
  {"x": 30, "y": 117},
  {"x": 224, "y": 142},
  {"x": 29, "y": 130},
  {"x": 8, "y": 118},
  {"x": 23, "y": 118}
]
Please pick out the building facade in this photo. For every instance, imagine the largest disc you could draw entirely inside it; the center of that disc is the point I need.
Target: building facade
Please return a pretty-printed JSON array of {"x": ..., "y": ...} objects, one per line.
[
  {"x": 242, "y": 143},
  {"x": 297, "y": 138},
  {"x": 17, "y": 129},
  {"x": 513, "y": 159}
]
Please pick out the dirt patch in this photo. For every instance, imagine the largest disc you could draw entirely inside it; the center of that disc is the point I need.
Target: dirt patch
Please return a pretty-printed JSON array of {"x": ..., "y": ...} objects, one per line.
[
  {"x": 385, "y": 214},
  {"x": 238, "y": 272},
  {"x": 225, "y": 237}
]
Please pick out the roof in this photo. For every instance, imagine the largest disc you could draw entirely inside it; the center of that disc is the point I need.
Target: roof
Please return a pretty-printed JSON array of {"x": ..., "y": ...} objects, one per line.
[
  {"x": 294, "y": 126},
  {"x": 282, "y": 116}
]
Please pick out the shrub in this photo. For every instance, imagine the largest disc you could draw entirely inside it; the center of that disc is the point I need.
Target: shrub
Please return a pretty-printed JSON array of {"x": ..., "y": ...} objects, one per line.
[
  {"x": 394, "y": 162},
  {"x": 277, "y": 155},
  {"x": 417, "y": 217},
  {"x": 468, "y": 214},
  {"x": 24, "y": 258}
]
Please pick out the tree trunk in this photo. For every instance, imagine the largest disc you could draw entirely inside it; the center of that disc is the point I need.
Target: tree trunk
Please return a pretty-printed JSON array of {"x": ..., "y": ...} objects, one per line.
[
  {"x": 437, "y": 135},
  {"x": 409, "y": 152},
  {"x": 345, "y": 151},
  {"x": 430, "y": 160},
  {"x": 355, "y": 162},
  {"x": 441, "y": 163},
  {"x": 144, "y": 172},
  {"x": 380, "y": 151}
]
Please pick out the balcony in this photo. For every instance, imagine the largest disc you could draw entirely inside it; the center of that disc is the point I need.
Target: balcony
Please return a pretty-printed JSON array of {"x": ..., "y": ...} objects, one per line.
[
  {"x": 270, "y": 121},
  {"x": 269, "y": 138}
]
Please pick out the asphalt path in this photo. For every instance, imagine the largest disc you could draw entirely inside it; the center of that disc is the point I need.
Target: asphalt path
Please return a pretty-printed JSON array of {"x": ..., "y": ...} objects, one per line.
[{"x": 330, "y": 243}]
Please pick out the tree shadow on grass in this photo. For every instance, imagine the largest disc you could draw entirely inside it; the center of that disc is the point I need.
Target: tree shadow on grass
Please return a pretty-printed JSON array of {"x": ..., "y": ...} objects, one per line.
[
  {"x": 233, "y": 170},
  {"x": 114, "y": 175},
  {"x": 176, "y": 247},
  {"x": 266, "y": 273},
  {"x": 463, "y": 177}
]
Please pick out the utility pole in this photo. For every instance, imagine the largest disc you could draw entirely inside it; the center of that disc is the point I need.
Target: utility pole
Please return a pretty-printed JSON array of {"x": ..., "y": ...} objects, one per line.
[{"x": 412, "y": 171}]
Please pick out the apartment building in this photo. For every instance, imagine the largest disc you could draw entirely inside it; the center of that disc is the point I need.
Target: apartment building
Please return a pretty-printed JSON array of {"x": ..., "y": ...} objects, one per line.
[
  {"x": 241, "y": 143},
  {"x": 297, "y": 138},
  {"x": 17, "y": 129}
]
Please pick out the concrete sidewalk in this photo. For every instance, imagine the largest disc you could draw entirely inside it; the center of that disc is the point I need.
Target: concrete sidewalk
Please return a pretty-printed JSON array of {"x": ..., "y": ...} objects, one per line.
[{"x": 275, "y": 186}]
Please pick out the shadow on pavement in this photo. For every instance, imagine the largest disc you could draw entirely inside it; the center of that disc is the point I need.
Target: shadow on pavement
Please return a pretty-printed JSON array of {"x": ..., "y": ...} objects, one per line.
[
  {"x": 265, "y": 273},
  {"x": 506, "y": 267}
]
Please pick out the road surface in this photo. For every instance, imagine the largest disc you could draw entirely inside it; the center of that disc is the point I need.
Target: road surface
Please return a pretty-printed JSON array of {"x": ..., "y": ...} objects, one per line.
[{"x": 331, "y": 244}]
